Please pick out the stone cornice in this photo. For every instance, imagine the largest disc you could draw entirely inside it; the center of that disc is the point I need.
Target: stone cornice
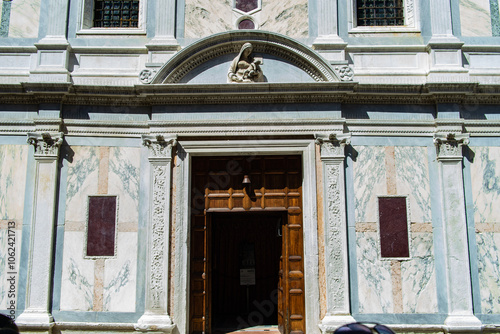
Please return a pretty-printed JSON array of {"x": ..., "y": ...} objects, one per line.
[{"x": 333, "y": 92}]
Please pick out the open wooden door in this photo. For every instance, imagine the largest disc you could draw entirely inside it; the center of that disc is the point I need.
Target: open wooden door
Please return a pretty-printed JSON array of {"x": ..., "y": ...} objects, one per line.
[{"x": 217, "y": 187}]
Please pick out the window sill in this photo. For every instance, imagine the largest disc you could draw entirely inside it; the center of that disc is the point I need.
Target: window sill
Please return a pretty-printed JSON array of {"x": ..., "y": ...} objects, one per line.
[
  {"x": 112, "y": 31},
  {"x": 383, "y": 29}
]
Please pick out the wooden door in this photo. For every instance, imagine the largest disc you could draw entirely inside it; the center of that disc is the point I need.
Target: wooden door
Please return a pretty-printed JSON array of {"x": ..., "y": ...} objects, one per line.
[{"x": 276, "y": 185}]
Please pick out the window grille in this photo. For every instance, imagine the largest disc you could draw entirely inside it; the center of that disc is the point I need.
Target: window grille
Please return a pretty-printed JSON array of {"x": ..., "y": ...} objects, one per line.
[
  {"x": 380, "y": 12},
  {"x": 116, "y": 13}
]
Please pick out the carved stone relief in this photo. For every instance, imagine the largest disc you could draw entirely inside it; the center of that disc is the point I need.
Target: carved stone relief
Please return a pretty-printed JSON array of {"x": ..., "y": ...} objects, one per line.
[
  {"x": 450, "y": 146},
  {"x": 46, "y": 144},
  {"x": 245, "y": 68}
]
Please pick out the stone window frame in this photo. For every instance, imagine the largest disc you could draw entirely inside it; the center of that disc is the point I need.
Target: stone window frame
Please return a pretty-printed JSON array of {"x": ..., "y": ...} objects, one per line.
[
  {"x": 86, "y": 21},
  {"x": 86, "y": 233},
  {"x": 408, "y": 222},
  {"x": 411, "y": 15}
]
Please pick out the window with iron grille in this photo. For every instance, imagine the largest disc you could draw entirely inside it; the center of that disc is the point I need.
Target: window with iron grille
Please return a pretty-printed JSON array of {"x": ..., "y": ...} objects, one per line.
[
  {"x": 116, "y": 13},
  {"x": 380, "y": 13}
]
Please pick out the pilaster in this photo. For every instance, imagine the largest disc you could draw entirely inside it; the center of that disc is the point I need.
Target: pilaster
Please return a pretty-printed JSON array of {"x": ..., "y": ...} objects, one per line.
[
  {"x": 445, "y": 48},
  {"x": 53, "y": 49},
  {"x": 164, "y": 43},
  {"x": 38, "y": 292},
  {"x": 460, "y": 310},
  {"x": 328, "y": 40},
  {"x": 156, "y": 318},
  {"x": 335, "y": 229}
]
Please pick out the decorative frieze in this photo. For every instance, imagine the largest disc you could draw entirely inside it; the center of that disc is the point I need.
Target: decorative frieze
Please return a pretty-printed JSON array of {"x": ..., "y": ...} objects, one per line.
[{"x": 46, "y": 144}]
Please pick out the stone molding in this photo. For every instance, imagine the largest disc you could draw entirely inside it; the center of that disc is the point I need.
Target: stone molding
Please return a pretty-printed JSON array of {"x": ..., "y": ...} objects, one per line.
[
  {"x": 46, "y": 144},
  {"x": 449, "y": 147},
  {"x": 230, "y": 43}
]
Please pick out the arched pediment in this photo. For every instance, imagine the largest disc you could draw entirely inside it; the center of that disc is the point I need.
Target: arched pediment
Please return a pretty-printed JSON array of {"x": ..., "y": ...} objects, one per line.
[{"x": 208, "y": 60}]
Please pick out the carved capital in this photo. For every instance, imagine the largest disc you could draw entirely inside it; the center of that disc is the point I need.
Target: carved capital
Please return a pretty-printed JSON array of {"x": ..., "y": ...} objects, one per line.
[
  {"x": 160, "y": 148},
  {"x": 449, "y": 147},
  {"x": 333, "y": 145},
  {"x": 46, "y": 144}
]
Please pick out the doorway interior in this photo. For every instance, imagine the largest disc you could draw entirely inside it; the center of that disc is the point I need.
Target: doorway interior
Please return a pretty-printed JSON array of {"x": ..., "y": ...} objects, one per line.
[{"x": 246, "y": 251}]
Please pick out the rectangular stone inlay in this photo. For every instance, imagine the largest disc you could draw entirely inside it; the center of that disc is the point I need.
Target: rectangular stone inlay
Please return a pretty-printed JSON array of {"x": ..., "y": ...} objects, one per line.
[
  {"x": 101, "y": 226},
  {"x": 393, "y": 227}
]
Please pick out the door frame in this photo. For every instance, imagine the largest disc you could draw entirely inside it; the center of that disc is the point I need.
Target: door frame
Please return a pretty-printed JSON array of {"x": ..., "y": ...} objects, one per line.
[{"x": 182, "y": 231}]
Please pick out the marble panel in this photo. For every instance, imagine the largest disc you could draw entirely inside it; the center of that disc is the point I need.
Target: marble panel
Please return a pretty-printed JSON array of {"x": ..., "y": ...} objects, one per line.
[
  {"x": 475, "y": 17},
  {"x": 120, "y": 275},
  {"x": 285, "y": 17},
  {"x": 24, "y": 19},
  {"x": 77, "y": 284},
  {"x": 13, "y": 164},
  {"x": 418, "y": 276},
  {"x": 488, "y": 254},
  {"x": 123, "y": 180},
  {"x": 82, "y": 181},
  {"x": 412, "y": 175},
  {"x": 374, "y": 276},
  {"x": 485, "y": 176},
  {"x": 369, "y": 181},
  {"x": 207, "y": 17}
]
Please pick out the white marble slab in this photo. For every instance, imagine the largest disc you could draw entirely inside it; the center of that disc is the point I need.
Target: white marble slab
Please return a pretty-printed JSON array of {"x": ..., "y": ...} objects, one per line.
[
  {"x": 475, "y": 17},
  {"x": 488, "y": 249},
  {"x": 206, "y": 17},
  {"x": 369, "y": 181},
  {"x": 13, "y": 162},
  {"x": 412, "y": 177},
  {"x": 123, "y": 180},
  {"x": 120, "y": 275},
  {"x": 485, "y": 176},
  {"x": 77, "y": 285},
  {"x": 285, "y": 17},
  {"x": 82, "y": 181},
  {"x": 374, "y": 276},
  {"x": 418, "y": 276},
  {"x": 24, "y": 19}
]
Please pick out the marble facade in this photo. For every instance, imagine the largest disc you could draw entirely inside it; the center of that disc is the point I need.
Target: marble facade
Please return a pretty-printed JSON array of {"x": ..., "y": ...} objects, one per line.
[{"x": 409, "y": 111}]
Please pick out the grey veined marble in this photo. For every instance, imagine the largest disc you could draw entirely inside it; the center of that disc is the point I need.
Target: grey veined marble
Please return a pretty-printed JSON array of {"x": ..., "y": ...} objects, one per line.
[
  {"x": 369, "y": 181},
  {"x": 485, "y": 176},
  {"x": 488, "y": 253},
  {"x": 475, "y": 17}
]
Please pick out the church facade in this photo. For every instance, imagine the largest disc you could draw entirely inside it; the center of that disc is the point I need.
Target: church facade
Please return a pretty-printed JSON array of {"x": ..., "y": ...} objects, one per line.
[{"x": 209, "y": 166}]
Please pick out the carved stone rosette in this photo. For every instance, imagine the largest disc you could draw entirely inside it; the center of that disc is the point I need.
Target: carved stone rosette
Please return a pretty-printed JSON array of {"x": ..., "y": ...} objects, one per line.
[
  {"x": 46, "y": 144},
  {"x": 335, "y": 227},
  {"x": 155, "y": 317},
  {"x": 449, "y": 147}
]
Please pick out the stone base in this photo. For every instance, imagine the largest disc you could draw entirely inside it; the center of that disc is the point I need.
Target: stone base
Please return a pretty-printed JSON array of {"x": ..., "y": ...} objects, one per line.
[
  {"x": 154, "y": 323},
  {"x": 331, "y": 322},
  {"x": 462, "y": 324},
  {"x": 35, "y": 321}
]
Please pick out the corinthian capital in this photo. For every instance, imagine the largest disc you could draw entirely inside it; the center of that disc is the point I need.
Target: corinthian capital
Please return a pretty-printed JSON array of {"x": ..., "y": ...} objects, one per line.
[
  {"x": 159, "y": 146},
  {"x": 332, "y": 145},
  {"x": 46, "y": 144},
  {"x": 449, "y": 147}
]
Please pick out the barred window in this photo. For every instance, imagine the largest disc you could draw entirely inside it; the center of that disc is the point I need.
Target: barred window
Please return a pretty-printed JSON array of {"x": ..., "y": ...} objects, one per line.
[
  {"x": 116, "y": 13},
  {"x": 380, "y": 13}
]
